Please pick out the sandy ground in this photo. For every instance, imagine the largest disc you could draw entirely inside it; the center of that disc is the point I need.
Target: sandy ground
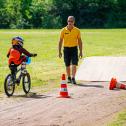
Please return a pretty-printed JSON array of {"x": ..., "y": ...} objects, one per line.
[{"x": 91, "y": 104}]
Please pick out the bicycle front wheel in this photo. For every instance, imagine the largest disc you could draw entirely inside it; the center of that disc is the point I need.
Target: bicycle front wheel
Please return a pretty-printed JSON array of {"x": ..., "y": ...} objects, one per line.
[
  {"x": 26, "y": 82},
  {"x": 9, "y": 85}
]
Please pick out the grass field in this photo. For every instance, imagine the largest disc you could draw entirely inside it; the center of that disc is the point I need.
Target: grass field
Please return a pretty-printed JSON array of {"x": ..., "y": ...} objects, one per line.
[
  {"x": 47, "y": 68},
  {"x": 120, "y": 119}
]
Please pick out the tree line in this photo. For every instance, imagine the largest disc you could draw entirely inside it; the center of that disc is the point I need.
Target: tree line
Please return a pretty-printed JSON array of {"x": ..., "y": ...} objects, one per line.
[{"x": 54, "y": 13}]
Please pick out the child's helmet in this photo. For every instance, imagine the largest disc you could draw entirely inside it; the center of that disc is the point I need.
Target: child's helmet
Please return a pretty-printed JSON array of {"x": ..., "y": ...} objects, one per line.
[{"x": 17, "y": 41}]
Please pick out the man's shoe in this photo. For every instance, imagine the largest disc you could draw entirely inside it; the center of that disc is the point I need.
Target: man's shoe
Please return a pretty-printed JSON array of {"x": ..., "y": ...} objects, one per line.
[
  {"x": 69, "y": 80},
  {"x": 73, "y": 81}
]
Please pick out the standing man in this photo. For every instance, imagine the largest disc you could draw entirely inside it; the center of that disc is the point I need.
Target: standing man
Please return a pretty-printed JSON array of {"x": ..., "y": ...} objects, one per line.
[{"x": 70, "y": 38}]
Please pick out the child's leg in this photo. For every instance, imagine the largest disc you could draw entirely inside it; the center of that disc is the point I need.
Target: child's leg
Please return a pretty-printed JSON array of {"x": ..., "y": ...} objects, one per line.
[{"x": 13, "y": 69}]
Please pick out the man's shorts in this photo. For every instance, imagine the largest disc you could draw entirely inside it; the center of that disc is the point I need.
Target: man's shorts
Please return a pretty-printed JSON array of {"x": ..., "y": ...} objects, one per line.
[{"x": 70, "y": 55}]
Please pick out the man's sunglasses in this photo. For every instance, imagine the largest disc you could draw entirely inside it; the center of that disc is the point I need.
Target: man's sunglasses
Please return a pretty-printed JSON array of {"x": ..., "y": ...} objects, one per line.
[{"x": 71, "y": 21}]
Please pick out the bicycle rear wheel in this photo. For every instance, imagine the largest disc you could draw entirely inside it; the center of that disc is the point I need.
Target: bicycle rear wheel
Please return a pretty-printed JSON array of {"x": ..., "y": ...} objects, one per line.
[
  {"x": 9, "y": 86},
  {"x": 26, "y": 82}
]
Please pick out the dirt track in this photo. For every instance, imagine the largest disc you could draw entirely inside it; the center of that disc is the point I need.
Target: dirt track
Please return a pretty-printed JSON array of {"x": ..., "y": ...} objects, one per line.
[{"x": 91, "y": 104}]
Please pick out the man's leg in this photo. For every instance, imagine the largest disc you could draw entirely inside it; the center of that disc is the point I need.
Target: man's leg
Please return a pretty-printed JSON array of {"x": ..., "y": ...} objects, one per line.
[
  {"x": 73, "y": 71},
  {"x": 74, "y": 63},
  {"x": 68, "y": 71},
  {"x": 67, "y": 60},
  {"x": 73, "y": 74}
]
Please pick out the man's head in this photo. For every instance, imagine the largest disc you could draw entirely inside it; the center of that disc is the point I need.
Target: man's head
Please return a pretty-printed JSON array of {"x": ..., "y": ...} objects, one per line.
[{"x": 71, "y": 21}]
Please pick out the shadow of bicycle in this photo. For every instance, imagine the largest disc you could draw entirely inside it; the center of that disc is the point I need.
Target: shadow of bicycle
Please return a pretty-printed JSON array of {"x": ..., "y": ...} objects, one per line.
[{"x": 31, "y": 95}]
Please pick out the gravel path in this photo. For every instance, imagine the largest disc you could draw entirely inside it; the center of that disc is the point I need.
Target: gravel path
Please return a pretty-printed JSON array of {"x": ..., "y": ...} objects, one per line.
[{"x": 91, "y": 104}]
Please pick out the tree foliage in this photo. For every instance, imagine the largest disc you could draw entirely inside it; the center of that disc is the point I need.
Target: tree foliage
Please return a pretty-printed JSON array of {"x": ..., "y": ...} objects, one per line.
[{"x": 54, "y": 13}]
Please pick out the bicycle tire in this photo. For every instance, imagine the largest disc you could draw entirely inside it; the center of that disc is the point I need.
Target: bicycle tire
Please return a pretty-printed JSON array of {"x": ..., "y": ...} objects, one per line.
[
  {"x": 6, "y": 86},
  {"x": 28, "y": 83}
]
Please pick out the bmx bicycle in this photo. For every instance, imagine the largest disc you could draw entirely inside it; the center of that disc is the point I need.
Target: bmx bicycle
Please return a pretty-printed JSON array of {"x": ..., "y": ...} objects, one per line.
[{"x": 12, "y": 80}]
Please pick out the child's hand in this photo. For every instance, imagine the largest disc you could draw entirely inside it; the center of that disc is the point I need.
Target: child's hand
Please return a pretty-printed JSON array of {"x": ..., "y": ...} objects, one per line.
[{"x": 34, "y": 55}]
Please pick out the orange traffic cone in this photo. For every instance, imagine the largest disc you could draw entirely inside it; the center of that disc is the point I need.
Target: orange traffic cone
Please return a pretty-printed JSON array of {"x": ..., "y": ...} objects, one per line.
[
  {"x": 115, "y": 84},
  {"x": 112, "y": 84},
  {"x": 63, "y": 89}
]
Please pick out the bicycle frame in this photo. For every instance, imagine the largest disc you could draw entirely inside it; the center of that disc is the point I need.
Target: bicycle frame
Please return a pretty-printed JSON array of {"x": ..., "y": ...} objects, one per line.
[
  {"x": 12, "y": 79},
  {"x": 22, "y": 71}
]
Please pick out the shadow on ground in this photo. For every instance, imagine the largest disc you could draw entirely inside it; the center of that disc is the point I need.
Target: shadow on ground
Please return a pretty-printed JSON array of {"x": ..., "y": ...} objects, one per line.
[
  {"x": 31, "y": 95},
  {"x": 90, "y": 85}
]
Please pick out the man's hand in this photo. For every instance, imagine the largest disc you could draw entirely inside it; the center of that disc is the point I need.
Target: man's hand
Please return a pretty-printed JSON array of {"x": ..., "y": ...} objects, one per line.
[
  {"x": 59, "y": 47},
  {"x": 60, "y": 54},
  {"x": 80, "y": 48},
  {"x": 80, "y": 55}
]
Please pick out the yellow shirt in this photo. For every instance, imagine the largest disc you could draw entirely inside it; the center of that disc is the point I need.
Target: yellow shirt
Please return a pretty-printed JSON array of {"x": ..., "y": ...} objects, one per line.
[{"x": 70, "y": 38}]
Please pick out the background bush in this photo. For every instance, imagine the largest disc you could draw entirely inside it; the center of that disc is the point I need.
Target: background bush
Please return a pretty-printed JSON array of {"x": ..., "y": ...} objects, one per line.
[{"x": 53, "y": 13}]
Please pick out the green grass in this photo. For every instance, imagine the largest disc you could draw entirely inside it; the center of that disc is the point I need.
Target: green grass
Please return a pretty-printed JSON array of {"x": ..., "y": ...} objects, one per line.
[
  {"x": 47, "y": 68},
  {"x": 120, "y": 119}
]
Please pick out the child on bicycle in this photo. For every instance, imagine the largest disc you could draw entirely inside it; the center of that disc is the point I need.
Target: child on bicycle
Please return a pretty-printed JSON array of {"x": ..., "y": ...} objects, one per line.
[{"x": 15, "y": 57}]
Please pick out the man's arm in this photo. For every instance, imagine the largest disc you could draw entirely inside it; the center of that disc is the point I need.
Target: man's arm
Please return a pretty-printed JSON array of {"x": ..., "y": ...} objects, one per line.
[
  {"x": 60, "y": 47},
  {"x": 80, "y": 47}
]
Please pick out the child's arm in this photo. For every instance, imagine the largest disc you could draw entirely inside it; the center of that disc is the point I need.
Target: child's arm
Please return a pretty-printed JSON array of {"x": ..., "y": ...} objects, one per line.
[
  {"x": 8, "y": 52},
  {"x": 24, "y": 51}
]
